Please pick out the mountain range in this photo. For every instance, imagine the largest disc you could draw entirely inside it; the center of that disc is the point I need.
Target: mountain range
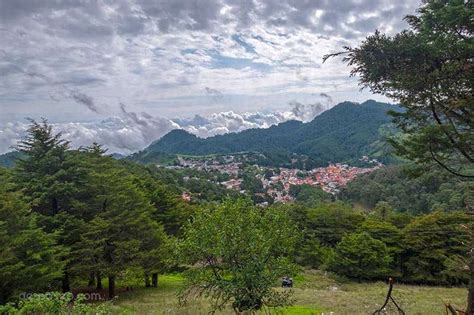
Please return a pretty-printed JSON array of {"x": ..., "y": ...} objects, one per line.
[{"x": 344, "y": 133}]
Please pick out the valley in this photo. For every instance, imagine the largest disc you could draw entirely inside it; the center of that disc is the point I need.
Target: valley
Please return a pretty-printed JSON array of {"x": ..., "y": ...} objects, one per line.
[{"x": 271, "y": 183}]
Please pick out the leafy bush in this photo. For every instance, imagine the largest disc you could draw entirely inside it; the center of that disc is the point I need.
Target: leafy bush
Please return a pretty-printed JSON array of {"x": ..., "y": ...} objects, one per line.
[
  {"x": 238, "y": 253},
  {"x": 360, "y": 256},
  {"x": 54, "y": 303}
]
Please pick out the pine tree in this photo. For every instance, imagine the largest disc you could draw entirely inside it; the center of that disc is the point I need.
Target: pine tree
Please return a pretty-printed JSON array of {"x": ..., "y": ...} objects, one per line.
[
  {"x": 30, "y": 259},
  {"x": 53, "y": 179},
  {"x": 429, "y": 70},
  {"x": 45, "y": 174},
  {"x": 155, "y": 253},
  {"x": 122, "y": 230}
]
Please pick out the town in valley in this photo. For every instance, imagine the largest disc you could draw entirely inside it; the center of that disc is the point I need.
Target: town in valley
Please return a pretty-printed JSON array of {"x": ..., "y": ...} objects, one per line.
[{"x": 274, "y": 182}]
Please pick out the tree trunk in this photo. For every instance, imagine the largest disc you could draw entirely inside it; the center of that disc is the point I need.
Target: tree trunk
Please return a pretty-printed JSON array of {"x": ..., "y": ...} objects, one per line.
[
  {"x": 111, "y": 287},
  {"x": 55, "y": 206},
  {"x": 91, "y": 281},
  {"x": 99, "y": 281},
  {"x": 360, "y": 271},
  {"x": 65, "y": 283},
  {"x": 470, "y": 296},
  {"x": 154, "y": 280},
  {"x": 147, "y": 280}
]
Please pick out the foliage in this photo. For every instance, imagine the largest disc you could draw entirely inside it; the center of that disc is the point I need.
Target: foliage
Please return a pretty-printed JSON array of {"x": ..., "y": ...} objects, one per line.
[
  {"x": 330, "y": 221},
  {"x": 55, "y": 303},
  {"x": 429, "y": 69},
  {"x": 238, "y": 252},
  {"x": 333, "y": 136},
  {"x": 100, "y": 211},
  {"x": 308, "y": 194},
  {"x": 360, "y": 256},
  {"x": 46, "y": 175},
  {"x": 436, "y": 248},
  {"x": 250, "y": 183},
  {"x": 200, "y": 184},
  {"x": 123, "y": 233},
  {"x": 391, "y": 236},
  {"x": 9, "y": 159},
  {"x": 429, "y": 248},
  {"x": 405, "y": 191},
  {"x": 30, "y": 258}
]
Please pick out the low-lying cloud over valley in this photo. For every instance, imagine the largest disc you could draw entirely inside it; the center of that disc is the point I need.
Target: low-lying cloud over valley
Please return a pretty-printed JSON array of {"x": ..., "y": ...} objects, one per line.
[{"x": 131, "y": 131}]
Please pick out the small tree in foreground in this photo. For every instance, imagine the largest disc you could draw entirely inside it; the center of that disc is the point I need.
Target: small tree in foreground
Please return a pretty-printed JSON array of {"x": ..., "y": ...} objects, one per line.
[{"x": 238, "y": 252}]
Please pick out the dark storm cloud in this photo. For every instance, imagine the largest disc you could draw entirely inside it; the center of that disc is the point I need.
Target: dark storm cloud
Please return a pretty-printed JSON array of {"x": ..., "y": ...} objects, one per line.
[
  {"x": 84, "y": 99},
  {"x": 306, "y": 112},
  {"x": 60, "y": 88},
  {"x": 214, "y": 94},
  {"x": 327, "y": 97}
]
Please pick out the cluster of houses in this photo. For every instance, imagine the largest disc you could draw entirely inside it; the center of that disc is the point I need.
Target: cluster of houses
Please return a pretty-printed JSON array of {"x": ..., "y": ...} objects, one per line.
[
  {"x": 224, "y": 164},
  {"x": 276, "y": 182},
  {"x": 334, "y": 176},
  {"x": 330, "y": 179}
]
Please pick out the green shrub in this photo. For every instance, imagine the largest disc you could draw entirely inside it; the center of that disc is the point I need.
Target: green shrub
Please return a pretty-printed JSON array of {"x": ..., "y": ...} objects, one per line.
[{"x": 54, "y": 303}]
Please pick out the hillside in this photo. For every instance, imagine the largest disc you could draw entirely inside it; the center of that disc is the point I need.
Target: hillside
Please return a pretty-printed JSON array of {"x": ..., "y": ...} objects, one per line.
[
  {"x": 344, "y": 133},
  {"x": 8, "y": 159},
  {"x": 408, "y": 191}
]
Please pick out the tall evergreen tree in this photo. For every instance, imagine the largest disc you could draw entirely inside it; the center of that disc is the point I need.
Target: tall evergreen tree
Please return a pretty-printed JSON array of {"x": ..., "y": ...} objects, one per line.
[
  {"x": 53, "y": 181},
  {"x": 30, "y": 259},
  {"x": 429, "y": 69},
  {"x": 122, "y": 230},
  {"x": 45, "y": 174}
]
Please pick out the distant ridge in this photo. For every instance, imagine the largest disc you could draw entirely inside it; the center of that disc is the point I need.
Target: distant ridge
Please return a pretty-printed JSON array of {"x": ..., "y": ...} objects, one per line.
[
  {"x": 9, "y": 159},
  {"x": 341, "y": 134}
]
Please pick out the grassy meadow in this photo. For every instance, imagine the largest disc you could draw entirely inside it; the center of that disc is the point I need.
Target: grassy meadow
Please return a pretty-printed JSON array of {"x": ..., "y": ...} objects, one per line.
[{"x": 314, "y": 293}]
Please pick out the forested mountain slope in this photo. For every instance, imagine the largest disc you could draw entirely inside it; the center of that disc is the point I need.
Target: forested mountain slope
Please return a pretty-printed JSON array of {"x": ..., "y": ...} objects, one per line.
[
  {"x": 345, "y": 132},
  {"x": 405, "y": 191}
]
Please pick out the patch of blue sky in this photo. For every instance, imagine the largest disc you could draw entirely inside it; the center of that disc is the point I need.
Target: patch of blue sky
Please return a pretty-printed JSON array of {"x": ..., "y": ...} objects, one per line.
[
  {"x": 158, "y": 51},
  {"x": 260, "y": 38},
  {"x": 248, "y": 48},
  {"x": 188, "y": 51},
  {"x": 219, "y": 61}
]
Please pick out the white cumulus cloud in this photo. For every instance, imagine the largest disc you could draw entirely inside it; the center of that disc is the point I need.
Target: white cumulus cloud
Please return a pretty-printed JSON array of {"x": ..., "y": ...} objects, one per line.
[{"x": 131, "y": 131}]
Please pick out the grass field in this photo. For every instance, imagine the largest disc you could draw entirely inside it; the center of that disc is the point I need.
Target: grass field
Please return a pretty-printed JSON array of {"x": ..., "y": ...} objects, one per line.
[{"x": 314, "y": 293}]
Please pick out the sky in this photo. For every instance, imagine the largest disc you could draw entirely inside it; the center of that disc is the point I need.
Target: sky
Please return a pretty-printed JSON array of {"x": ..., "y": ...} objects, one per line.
[{"x": 124, "y": 73}]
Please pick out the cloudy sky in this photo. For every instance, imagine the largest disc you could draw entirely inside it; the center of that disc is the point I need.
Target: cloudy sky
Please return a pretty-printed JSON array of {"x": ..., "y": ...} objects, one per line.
[{"x": 125, "y": 72}]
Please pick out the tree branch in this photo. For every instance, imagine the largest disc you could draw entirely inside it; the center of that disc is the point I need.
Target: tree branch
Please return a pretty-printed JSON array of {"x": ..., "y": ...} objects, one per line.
[
  {"x": 448, "y": 135},
  {"x": 433, "y": 156}
]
